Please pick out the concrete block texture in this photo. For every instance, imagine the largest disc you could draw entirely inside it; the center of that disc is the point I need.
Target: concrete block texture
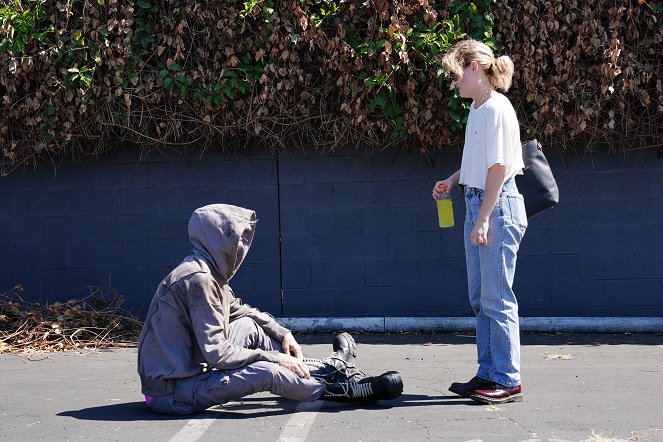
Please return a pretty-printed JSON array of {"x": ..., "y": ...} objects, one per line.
[
  {"x": 18, "y": 231},
  {"x": 42, "y": 256},
  {"x": 93, "y": 202},
  {"x": 6, "y": 204},
  {"x": 7, "y": 256},
  {"x": 121, "y": 175},
  {"x": 53, "y": 203},
  {"x": 64, "y": 284},
  {"x": 30, "y": 280},
  {"x": 346, "y": 234}
]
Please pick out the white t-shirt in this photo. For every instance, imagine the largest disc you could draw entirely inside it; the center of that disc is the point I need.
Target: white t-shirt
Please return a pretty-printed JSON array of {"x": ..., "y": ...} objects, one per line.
[{"x": 492, "y": 136}]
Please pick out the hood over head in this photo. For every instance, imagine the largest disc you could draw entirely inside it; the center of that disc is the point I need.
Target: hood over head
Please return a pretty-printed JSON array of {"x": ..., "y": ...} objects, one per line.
[{"x": 222, "y": 235}]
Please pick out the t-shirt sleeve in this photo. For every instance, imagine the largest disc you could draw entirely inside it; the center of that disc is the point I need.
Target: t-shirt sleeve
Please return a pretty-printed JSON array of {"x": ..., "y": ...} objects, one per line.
[{"x": 495, "y": 137}]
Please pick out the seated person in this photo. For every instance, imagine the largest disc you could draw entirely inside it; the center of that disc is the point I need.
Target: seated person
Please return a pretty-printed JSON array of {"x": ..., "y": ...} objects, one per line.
[{"x": 200, "y": 346}]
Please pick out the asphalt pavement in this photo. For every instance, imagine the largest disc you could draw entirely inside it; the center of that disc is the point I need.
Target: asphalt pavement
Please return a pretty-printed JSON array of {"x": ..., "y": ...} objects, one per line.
[{"x": 579, "y": 387}]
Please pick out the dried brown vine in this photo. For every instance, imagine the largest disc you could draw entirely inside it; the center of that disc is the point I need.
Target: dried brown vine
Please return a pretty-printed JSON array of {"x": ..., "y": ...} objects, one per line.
[
  {"x": 193, "y": 74},
  {"x": 94, "y": 322}
]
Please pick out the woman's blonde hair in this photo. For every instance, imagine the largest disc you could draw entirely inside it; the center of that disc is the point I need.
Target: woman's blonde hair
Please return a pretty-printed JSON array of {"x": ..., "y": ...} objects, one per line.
[{"x": 499, "y": 70}]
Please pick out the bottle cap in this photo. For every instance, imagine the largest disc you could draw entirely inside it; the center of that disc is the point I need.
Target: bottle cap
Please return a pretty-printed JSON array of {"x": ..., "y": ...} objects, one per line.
[{"x": 442, "y": 187}]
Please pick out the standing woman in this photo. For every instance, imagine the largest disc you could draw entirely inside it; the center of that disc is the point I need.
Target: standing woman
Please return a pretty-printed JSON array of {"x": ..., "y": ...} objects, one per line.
[{"x": 495, "y": 220}]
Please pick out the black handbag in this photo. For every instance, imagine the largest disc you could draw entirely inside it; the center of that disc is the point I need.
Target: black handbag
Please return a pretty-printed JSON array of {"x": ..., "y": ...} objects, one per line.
[{"x": 537, "y": 183}]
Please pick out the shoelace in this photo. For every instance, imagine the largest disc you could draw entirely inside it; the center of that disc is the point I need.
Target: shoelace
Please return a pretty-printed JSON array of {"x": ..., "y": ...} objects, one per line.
[
  {"x": 362, "y": 390},
  {"x": 351, "y": 371},
  {"x": 358, "y": 390},
  {"x": 348, "y": 369}
]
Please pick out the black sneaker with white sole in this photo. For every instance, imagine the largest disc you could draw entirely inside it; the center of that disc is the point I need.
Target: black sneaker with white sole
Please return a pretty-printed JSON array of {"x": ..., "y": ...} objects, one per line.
[{"x": 387, "y": 386}]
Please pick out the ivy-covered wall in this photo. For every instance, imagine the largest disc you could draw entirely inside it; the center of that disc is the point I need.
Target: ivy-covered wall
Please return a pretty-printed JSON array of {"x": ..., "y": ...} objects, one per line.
[
  {"x": 79, "y": 76},
  {"x": 294, "y": 94}
]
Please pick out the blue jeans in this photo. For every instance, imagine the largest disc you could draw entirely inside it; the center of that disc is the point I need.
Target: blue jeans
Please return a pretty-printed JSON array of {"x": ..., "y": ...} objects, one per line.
[{"x": 490, "y": 272}]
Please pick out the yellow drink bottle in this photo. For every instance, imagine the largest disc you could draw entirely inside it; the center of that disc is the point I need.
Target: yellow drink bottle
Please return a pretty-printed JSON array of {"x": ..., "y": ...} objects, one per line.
[{"x": 445, "y": 210}]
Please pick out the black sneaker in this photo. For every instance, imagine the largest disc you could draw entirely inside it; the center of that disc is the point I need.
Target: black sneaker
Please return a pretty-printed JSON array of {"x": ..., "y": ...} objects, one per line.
[
  {"x": 370, "y": 389},
  {"x": 467, "y": 389},
  {"x": 344, "y": 356}
]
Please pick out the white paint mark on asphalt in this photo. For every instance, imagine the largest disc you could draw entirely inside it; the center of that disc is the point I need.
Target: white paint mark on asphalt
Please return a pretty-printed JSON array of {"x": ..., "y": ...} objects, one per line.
[
  {"x": 300, "y": 422},
  {"x": 193, "y": 430}
]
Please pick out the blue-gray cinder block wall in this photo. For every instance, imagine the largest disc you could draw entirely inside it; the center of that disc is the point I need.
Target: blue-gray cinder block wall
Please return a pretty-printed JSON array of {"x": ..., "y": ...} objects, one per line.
[{"x": 346, "y": 234}]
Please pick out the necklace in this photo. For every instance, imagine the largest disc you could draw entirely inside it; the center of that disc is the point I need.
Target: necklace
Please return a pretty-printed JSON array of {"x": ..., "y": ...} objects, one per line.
[{"x": 485, "y": 96}]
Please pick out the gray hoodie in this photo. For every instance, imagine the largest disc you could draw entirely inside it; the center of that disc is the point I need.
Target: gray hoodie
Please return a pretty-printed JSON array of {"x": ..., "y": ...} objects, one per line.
[{"x": 186, "y": 328}]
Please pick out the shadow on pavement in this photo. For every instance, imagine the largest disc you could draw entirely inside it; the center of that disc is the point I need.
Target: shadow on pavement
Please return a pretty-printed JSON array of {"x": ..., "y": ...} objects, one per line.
[
  {"x": 138, "y": 411},
  {"x": 248, "y": 408},
  {"x": 422, "y": 400},
  {"x": 130, "y": 411}
]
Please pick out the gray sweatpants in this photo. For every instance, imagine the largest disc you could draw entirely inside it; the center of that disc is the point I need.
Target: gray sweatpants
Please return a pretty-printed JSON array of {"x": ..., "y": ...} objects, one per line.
[{"x": 217, "y": 387}]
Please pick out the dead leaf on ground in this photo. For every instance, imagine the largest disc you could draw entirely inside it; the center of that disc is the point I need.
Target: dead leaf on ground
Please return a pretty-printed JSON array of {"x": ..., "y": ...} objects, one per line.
[{"x": 558, "y": 357}]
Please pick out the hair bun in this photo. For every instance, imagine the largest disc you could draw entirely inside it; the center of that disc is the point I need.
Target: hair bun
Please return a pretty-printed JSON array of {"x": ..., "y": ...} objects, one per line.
[{"x": 503, "y": 67}]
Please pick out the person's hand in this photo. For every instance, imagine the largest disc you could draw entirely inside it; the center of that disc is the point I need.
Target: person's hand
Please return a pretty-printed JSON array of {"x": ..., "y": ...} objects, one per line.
[
  {"x": 449, "y": 182},
  {"x": 295, "y": 365},
  {"x": 479, "y": 234},
  {"x": 291, "y": 347}
]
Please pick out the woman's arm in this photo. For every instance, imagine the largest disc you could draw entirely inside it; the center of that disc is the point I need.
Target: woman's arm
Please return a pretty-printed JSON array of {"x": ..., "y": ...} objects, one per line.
[
  {"x": 494, "y": 182},
  {"x": 449, "y": 182}
]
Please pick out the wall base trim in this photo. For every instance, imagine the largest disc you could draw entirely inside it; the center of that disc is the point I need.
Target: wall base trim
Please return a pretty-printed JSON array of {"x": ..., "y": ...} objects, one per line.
[{"x": 463, "y": 324}]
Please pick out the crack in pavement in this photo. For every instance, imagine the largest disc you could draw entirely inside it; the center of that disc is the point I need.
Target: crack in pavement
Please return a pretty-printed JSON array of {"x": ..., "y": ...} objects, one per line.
[
  {"x": 513, "y": 421},
  {"x": 425, "y": 428}
]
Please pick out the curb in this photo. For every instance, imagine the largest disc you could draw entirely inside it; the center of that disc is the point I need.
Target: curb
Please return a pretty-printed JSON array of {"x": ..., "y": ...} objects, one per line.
[{"x": 464, "y": 324}]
